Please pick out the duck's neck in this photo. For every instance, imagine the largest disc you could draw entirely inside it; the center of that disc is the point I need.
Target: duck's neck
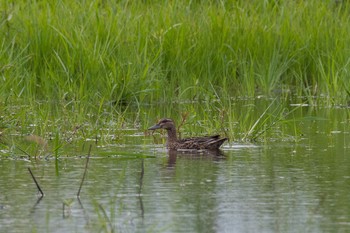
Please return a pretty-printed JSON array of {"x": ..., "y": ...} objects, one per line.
[{"x": 172, "y": 137}]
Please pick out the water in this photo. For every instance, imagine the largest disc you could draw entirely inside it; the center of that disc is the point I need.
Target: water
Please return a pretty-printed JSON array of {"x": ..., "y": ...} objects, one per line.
[
  {"x": 282, "y": 185},
  {"x": 253, "y": 188}
]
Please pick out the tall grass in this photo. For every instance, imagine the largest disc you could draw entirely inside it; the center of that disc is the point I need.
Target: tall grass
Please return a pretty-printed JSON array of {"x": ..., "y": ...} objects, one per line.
[
  {"x": 89, "y": 59},
  {"x": 107, "y": 51}
]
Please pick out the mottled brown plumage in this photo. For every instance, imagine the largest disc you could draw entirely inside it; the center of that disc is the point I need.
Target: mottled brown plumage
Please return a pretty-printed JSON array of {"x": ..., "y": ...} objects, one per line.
[{"x": 197, "y": 143}]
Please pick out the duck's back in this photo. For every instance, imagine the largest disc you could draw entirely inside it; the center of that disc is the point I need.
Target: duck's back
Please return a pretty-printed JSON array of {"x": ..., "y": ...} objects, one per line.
[{"x": 198, "y": 143}]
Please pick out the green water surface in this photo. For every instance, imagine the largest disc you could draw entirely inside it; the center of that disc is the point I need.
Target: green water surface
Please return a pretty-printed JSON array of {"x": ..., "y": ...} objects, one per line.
[{"x": 295, "y": 182}]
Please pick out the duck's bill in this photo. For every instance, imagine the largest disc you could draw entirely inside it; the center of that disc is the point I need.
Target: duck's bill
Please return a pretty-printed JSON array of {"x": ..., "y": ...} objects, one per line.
[{"x": 154, "y": 127}]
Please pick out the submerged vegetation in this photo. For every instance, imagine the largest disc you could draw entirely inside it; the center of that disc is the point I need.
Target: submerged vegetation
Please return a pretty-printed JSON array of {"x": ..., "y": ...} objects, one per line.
[{"x": 66, "y": 64}]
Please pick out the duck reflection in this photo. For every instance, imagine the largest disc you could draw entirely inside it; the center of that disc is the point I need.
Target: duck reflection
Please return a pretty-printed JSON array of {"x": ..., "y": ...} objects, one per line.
[{"x": 194, "y": 154}]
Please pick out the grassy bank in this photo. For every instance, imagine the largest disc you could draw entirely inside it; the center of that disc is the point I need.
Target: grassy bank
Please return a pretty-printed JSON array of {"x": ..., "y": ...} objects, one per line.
[{"x": 87, "y": 61}]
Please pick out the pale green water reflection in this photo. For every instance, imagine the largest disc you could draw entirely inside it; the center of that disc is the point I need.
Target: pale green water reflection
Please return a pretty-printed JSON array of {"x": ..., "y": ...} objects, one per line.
[{"x": 279, "y": 187}]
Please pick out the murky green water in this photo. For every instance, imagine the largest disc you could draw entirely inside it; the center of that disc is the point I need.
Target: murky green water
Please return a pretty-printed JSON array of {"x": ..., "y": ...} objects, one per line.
[
  {"x": 272, "y": 188},
  {"x": 137, "y": 186}
]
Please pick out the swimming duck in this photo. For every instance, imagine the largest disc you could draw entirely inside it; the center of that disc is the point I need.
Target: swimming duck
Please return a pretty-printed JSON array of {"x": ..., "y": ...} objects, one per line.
[{"x": 197, "y": 143}]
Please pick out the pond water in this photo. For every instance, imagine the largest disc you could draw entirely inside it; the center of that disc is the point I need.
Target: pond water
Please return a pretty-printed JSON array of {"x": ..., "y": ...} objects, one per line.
[{"x": 277, "y": 186}]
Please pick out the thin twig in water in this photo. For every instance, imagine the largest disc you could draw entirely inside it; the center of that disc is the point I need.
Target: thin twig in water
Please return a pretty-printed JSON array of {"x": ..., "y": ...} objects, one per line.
[
  {"x": 37, "y": 184},
  {"x": 140, "y": 188},
  {"x": 19, "y": 148},
  {"x": 106, "y": 217},
  {"x": 183, "y": 120},
  {"x": 86, "y": 166}
]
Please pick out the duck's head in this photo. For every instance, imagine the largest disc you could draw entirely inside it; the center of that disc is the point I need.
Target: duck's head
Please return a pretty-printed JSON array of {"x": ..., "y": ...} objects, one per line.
[{"x": 164, "y": 123}]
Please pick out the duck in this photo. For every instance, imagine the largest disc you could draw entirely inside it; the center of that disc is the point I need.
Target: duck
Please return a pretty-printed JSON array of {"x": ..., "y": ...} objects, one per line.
[{"x": 195, "y": 143}]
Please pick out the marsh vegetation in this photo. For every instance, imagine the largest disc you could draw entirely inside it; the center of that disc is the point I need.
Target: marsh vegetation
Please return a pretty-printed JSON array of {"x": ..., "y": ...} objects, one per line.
[{"x": 106, "y": 66}]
